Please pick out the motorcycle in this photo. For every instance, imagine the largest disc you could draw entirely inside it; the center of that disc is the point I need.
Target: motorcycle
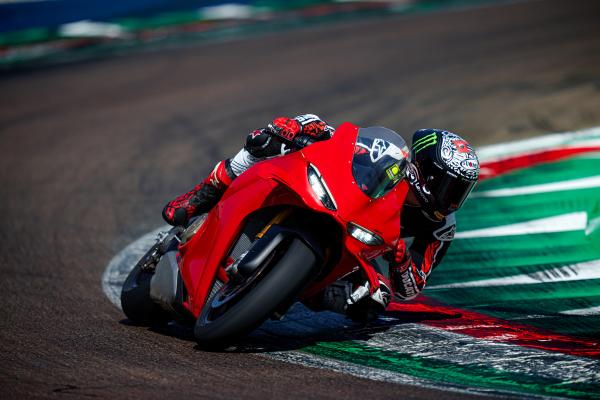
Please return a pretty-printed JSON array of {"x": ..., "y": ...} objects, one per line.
[{"x": 283, "y": 231}]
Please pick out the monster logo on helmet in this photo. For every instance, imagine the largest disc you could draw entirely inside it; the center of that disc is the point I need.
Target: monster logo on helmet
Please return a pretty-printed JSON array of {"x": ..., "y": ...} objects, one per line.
[{"x": 445, "y": 170}]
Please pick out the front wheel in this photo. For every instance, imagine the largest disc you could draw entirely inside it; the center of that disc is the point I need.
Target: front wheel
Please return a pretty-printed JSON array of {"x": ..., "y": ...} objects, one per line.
[{"x": 237, "y": 308}]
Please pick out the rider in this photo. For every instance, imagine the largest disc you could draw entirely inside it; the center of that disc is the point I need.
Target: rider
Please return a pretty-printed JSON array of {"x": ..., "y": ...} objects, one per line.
[{"x": 441, "y": 174}]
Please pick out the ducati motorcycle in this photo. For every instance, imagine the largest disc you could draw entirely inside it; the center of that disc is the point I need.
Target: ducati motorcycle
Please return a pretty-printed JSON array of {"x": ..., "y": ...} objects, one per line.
[{"x": 283, "y": 231}]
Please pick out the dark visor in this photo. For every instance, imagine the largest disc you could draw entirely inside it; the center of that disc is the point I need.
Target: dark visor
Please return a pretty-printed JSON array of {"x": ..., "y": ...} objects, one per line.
[{"x": 450, "y": 192}]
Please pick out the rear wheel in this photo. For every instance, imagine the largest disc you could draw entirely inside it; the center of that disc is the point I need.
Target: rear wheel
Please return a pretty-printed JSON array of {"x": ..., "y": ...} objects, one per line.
[
  {"x": 238, "y": 307},
  {"x": 135, "y": 296}
]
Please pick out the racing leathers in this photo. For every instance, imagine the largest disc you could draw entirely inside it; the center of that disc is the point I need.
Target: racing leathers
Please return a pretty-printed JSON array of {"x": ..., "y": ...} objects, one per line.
[{"x": 420, "y": 249}]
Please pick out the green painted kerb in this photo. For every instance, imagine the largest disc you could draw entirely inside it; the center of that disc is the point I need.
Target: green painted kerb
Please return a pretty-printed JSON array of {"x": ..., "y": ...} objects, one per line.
[
  {"x": 549, "y": 255},
  {"x": 452, "y": 374}
]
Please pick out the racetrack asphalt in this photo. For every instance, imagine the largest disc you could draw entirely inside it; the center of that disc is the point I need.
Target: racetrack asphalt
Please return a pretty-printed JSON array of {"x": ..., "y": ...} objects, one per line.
[{"x": 91, "y": 151}]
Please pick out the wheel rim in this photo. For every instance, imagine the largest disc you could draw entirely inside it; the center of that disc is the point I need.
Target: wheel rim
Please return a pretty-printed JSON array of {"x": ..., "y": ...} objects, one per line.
[{"x": 232, "y": 292}]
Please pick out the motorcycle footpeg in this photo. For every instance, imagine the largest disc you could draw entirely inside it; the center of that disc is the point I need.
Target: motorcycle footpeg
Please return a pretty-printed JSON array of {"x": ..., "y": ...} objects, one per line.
[
  {"x": 149, "y": 263},
  {"x": 165, "y": 242}
]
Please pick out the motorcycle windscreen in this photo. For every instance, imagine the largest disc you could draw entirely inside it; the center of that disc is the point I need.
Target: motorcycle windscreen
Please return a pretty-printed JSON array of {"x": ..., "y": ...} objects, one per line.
[{"x": 380, "y": 160}]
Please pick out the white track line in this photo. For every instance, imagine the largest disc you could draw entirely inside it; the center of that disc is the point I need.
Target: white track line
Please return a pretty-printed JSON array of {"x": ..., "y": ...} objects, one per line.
[
  {"x": 575, "y": 272},
  {"x": 123, "y": 262},
  {"x": 593, "y": 225},
  {"x": 418, "y": 340},
  {"x": 437, "y": 344},
  {"x": 575, "y": 184},
  {"x": 582, "y": 138},
  {"x": 583, "y": 311},
  {"x": 375, "y": 374},
  {"x": 576, "y": 221}
]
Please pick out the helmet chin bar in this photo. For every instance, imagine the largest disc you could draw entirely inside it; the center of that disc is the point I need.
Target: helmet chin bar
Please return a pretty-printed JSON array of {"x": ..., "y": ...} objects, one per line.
[{"x": 422, "y": 195}]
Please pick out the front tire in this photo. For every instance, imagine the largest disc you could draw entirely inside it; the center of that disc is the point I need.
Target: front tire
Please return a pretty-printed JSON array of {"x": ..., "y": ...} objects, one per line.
[{"x": 274, "y": 286}]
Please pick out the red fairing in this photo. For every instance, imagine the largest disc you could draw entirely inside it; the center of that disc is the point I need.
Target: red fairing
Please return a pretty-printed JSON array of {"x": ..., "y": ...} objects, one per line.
[{"x": 283, "y": 181}]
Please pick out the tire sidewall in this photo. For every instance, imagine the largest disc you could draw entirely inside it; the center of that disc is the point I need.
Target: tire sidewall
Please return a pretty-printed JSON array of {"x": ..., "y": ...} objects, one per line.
[{"x": 280, "y": 285}]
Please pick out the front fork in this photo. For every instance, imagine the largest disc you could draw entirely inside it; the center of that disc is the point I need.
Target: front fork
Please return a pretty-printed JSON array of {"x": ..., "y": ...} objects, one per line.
[{"x": 231, "y": 266}]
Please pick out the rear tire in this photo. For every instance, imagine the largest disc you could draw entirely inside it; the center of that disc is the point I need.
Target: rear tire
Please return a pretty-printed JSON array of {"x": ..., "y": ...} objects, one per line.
[
  {"x": 276, "y": 286},
  {"x": 135, "y": 298}
]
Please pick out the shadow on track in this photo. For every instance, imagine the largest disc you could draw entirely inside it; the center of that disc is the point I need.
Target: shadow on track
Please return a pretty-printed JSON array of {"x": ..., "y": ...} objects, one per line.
[{"x": 302, "y": 328}]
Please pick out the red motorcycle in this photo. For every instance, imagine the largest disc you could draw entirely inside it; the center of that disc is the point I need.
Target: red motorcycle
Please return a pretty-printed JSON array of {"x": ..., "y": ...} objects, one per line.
[{"x": 282, "y": 232}]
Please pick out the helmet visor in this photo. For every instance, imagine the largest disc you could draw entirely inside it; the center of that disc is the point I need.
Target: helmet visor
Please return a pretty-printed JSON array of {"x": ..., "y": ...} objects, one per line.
[
  {"x": 380, "y": 159},
  {"x": 450, "y": 191}
]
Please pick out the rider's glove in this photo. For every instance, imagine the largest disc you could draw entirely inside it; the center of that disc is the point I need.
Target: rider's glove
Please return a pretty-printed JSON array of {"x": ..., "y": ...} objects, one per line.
[
  {"x": 401, "y": 258},
  {"x": 407, "y": 280},
  {"x": 308, "y": 125},
  {"x": 312, "y": 125},
  {"x": 400, "y": 263},
  {"x": 285, "y": 128}
]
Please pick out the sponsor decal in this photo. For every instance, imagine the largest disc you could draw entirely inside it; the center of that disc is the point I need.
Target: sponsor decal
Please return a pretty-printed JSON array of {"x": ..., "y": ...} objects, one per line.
[
  {"x": 425, "y": 142},
  {"x": 394, "y": 173},
  {"x": 284, "y": 149},
  {"x": 307, "y": 118},
  {"x": 380, "y": 148},
  {"x": 409, "y": 286},
  {"x": 256, "y": 133},
  {"x": 445, "y": 233}
]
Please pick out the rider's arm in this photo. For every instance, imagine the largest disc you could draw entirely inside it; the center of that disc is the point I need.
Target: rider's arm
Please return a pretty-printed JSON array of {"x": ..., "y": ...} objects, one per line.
[
  {"x": 412, "y": 265},
  {"x": 280, "y": 137}
]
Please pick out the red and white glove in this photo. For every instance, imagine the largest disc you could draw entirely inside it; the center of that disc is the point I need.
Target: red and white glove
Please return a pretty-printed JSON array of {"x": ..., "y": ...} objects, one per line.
[
  {"x": 407, "y": 280},
  {"x": 312, "y": 125},
  {"x": 307, "y": 124},
  {"x": 286, "y": 128}
]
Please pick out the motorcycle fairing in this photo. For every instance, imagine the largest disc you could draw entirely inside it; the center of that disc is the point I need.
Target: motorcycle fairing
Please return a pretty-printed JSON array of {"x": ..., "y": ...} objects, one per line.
[{"x": 283, "y": 181}]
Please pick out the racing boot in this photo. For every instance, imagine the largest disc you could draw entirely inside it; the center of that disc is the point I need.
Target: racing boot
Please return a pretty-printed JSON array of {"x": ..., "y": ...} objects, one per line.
[{"x": 200, "y": 199}]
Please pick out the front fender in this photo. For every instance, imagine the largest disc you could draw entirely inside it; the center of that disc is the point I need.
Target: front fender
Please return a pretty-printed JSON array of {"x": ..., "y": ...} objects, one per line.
[{"x": 275, "y": 238}]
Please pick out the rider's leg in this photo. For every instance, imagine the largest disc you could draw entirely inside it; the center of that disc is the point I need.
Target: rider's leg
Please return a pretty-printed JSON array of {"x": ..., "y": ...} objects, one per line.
[
  {"x": 259, "y": 145},
  {"x": 201, "y": 198}
]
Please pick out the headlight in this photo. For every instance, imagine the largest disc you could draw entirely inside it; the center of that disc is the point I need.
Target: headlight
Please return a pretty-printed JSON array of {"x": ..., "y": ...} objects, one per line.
[
  {"x": 363, "y": 235},
  {"x": 320, "y": 188}
]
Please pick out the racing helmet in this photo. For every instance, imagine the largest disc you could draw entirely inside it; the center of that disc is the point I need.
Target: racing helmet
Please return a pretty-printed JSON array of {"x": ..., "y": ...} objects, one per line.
[{"x": 443, "y": 171}]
